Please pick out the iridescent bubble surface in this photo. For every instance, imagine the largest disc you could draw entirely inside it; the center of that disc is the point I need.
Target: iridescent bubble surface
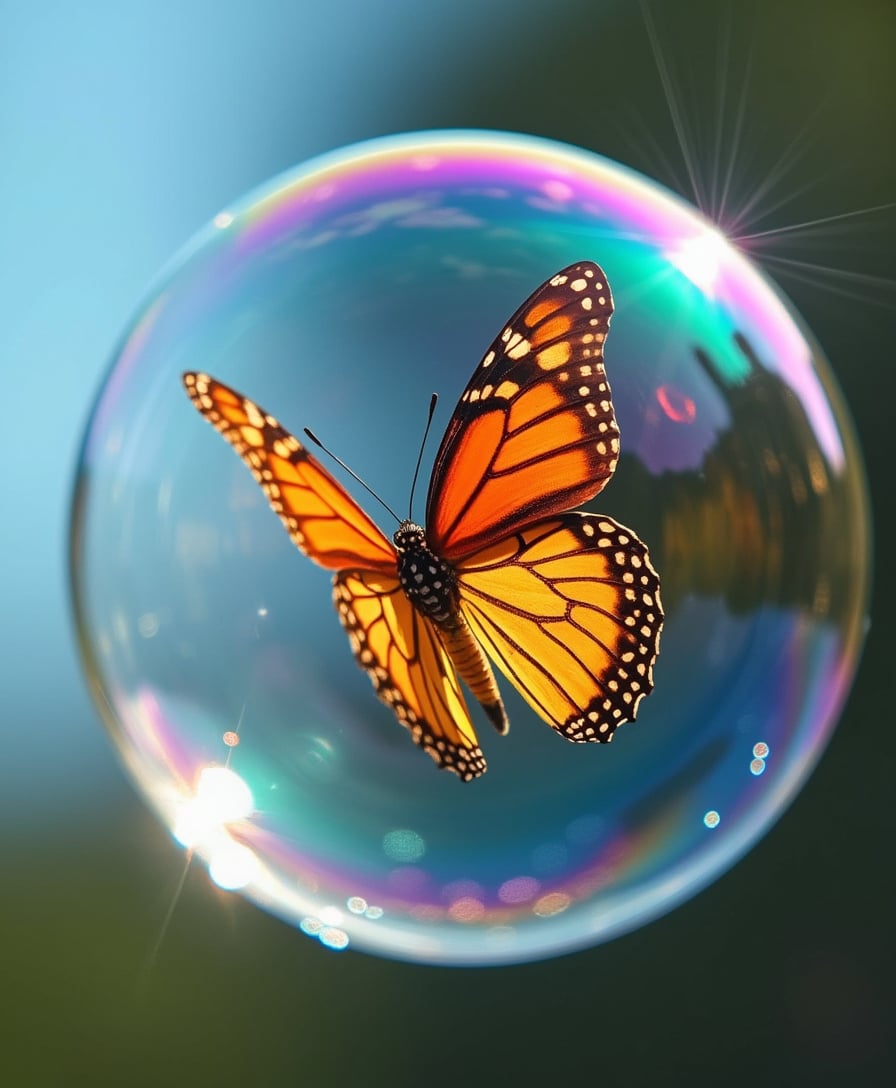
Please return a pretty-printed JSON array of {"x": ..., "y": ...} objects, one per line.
[{"x": 339, "y": 297}]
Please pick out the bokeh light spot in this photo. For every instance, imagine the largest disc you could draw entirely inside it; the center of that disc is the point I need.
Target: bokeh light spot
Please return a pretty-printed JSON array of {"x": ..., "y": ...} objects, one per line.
[
  {"x": 712, "y": 819},
  {"x": 761, "y": 750},
  {"x": 552, "y": 903},
  {"x": 467, "y": 909},
  {"x": 518, "y": 890},
  {"x": 334, "y": 938},
  {"x": 403, "y": 845},
  {"x": 757, "y": 766}
]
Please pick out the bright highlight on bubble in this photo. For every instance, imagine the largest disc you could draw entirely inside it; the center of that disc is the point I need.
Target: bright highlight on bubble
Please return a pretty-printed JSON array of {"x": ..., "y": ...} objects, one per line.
[
  {"x": 340, "y": 296},
  {"x": 221, "y": 797},
  {"x": 232, "y": 866},
  {"x": 701, "y": 257}
]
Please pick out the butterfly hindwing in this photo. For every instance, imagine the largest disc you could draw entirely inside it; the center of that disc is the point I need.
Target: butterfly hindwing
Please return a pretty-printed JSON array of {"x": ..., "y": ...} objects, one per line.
[
  {"x": 324, "y": 521},
  {"x": 569, "y": 609},
  {"x": 534, "y": 432},
  {"x": 404, "y": 657}
]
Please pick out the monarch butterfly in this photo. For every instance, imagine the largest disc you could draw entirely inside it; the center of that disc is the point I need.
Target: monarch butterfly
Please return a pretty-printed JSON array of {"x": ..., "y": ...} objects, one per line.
[{"x": 566, "y": 604}]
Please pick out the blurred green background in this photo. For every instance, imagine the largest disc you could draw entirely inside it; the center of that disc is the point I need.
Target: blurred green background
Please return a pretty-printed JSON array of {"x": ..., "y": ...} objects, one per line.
[{"x": 123, "y": 128}]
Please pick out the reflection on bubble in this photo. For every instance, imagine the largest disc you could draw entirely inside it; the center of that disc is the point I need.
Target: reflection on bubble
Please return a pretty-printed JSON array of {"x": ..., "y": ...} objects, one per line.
[
  {"x": 221, "y": 797},
  {"x": 701, "y": 257},
  {"x": 467, "y": 909},
  {"x": 403, "y": 845},
  {"x": 518, "y": 890},
  {"x": 334, "y": 938},
  {"x": 678, "y": 407},
  {"x": 757, "y": 766},
  {"x": 737, "y": 467},
  {"x": 232, "y": 865},
  {"x": 551, "y": 904}
]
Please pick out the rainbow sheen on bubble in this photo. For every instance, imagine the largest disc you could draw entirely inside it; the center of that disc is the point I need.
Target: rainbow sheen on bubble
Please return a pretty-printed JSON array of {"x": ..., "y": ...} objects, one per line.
[{"x": 339, "y": 296}]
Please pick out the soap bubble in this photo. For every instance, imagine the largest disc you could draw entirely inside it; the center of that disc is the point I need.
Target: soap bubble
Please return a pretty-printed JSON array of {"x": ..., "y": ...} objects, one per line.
[{"x": 339, "y": 296}]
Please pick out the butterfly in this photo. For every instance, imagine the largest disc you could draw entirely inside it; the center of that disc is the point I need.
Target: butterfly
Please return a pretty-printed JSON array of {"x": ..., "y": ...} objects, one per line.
[{"x": 565, "y": 603}]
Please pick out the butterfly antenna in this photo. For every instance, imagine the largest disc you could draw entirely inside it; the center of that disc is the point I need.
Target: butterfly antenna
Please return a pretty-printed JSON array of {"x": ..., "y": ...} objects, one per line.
[
  {"x": 432, "y": 407},
  {"x": 353, "y": 475}
]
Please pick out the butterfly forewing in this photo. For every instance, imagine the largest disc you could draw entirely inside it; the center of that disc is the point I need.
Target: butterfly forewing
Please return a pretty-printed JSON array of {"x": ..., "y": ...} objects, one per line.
[
  {"x": 569, "y": 610},
  {"x": 323, "y": 520},
  {"x": 534, "y": 433},
  {"x": 402, "y": 653}
]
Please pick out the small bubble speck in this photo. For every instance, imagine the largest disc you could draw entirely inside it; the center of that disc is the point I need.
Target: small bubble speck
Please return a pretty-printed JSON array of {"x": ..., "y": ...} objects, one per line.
[
  {"x": 712, "y": 819},
  {"x": 761, "y": 750},
  {"x": 356, "y": 904},
  {"x": 231, "y": 739},
  {"x": 373, "y": 912},
  {"x": 757, "y": 767}
]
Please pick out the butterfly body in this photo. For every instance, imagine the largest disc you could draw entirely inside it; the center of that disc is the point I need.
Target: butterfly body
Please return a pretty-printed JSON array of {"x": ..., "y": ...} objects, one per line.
[
  {"x": 566, "y": 603},
  {"x": 429, "y": 582}
]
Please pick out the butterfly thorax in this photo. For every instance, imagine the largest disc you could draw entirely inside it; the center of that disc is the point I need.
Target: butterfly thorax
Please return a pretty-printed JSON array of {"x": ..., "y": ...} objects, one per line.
[{"x": 428, "y": 581}]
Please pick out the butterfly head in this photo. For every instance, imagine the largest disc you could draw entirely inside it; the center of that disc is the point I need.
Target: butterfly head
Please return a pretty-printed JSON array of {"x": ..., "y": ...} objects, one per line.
[{"x": 408, "y": 537}]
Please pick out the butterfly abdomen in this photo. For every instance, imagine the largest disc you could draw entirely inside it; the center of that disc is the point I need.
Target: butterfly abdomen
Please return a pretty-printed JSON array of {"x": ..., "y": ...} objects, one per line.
[
  {"x": 473, "y": 668},
  {"x": 430, "y": 584}
]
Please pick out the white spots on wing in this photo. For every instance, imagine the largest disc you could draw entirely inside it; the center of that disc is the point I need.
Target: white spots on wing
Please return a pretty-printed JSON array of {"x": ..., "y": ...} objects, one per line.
[
  {"x": 252, "y": 436},
  {"x": 489, "y": 359},
  {"x": 578, "y": 285},
  {"x": 518, "y": 347},
  {"x": 586, "y": 303},
  {"x": 253, "y": 414}
]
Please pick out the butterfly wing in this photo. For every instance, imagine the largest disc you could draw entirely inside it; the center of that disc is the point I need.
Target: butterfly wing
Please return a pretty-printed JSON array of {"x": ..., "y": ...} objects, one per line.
[
  {"x": 398, "y": 648},
  {"x": 534, "y": 432},
  {"x": 569, "y": 609},
  {"x": 401, "y": 652},
  {"x": 323, "y": 520}
]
